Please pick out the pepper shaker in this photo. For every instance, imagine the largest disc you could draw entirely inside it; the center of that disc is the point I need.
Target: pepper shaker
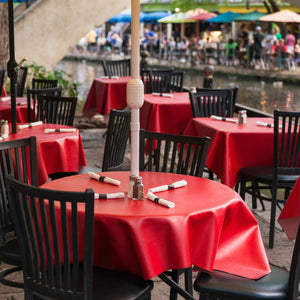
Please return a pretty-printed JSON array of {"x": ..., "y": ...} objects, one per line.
[{"x": 138, "y": 189}]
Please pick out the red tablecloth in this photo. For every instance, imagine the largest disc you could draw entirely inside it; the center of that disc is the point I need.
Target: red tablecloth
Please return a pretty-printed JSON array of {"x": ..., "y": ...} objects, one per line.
[
  {"x": 210, "y": 227},
  {"x": 234, "y": 146},
  {"x": 5, "y": 110},
  {"x": 106, "y": 94},
  {"x": 57, "y": 152},
  {"x": 289, "y": 217},
  {"x": 168, "y": 115}
]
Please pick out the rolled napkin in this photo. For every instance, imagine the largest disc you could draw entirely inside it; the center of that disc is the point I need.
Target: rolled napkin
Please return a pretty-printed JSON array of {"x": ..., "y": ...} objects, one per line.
[
  {"x": 264, "y": 124},
  {"x": 52, "y": 130},
  {"x": 3, "y": 99},
  {"x": 160, "y": 201},
  {"x": 110, "y": 196},
  {"x": 163, "y": 95},
  {"x": 3, "y": 137},
  {"x": 30, "y": 124},
  {"x": 104, "y": 178},
  {"x": 224, "y": 119},
  {"x": 171, "y": 186}
]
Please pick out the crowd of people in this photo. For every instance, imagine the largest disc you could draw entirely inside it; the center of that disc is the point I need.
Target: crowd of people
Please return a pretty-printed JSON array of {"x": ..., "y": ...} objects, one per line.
[{"x": 251, "y": 43}]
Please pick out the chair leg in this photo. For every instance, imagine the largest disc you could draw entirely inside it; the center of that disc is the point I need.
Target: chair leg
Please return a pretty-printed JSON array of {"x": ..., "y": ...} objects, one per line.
[
  {"x": 175, "y": 277},
  {"x": 243, "y": 187},
  {"x": 11, "y": 283},
  {"x": 272, "y": 218},
  {"x": 188, "y": 281}
]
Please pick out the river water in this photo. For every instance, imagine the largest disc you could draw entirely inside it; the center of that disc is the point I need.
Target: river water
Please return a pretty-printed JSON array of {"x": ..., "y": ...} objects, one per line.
[{"x": 262, "y": 95}]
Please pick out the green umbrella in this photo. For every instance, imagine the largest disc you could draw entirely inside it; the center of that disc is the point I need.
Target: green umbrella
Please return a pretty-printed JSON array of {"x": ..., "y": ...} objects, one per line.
[
  {"x": 252, "y": 16},
  {"x": 179, "y": 17}
]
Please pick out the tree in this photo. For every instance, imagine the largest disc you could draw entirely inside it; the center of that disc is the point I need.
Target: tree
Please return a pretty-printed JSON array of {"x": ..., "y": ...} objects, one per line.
[{"x": 3, "y": 35}]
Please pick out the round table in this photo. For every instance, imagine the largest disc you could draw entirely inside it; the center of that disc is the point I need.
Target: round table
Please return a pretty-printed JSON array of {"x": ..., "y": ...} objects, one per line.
[{"x": 210, "y": 227}]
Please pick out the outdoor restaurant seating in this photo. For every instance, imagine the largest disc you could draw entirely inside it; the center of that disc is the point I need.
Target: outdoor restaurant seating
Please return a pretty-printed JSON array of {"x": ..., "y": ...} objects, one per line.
[
  {"x": 57, "y": 110},
  {"x": 117, "y": 67},
  {"x": 212, "y": 102},
  {"x": 2, "y": 74},
  {"x": 33, "y": 100},
  {"x": 21, "y": 80},
  {"x": 38, "y": 83},
  {"x": 146, "y": 77},
  {"x": 279, "y": 284},
  {"x": 54, "y": 266},
  {"x": 157, "y": 81},
  {"x": 171, "y": 153},
  {"x": 19, "y": 159},
  {"x": 282, "y": 174}
]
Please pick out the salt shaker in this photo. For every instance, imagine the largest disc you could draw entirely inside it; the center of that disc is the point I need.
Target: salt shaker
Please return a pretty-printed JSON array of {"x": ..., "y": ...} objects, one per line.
[
  {"x": 4, "y": 128},
  {"x": 242, "y": 117},
  {"x": 138, "y": 189}
]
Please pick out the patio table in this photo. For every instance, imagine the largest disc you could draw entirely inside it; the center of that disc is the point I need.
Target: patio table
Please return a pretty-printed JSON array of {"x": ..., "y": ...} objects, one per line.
[
  {"x": 21, "y": 107},
  {"x": 56, "y": 152},
  {"x": 210, "y": 227},
  {"x": 106, "y": 94},
  {"x": 234, "y": 146},
  {"x": 163, "y": 114}
]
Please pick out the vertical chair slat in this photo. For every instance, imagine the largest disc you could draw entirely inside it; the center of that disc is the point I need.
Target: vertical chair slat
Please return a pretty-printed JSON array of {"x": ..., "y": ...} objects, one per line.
[{"x": 75, "y": 245}]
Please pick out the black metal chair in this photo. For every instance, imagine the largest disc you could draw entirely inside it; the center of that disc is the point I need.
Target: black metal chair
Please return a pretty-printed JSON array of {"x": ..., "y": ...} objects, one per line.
[
  {"x": 56, "y": 245},
  {"x": 21, "y": 80},
  {"x": 279, "y": 284},
  {"x": 19, "y": 159},
  {"x": 57, "y": 110},
  {"x": 115, "y": 145},
  {"x": 212, "y": 102},
  {"x": 162, "y": 152},
  {"x": 2, "y": 75},
  {"x": 285, "y": 169},
  {"x": 117, "y": 67},
  {"x": 234, "y": 91},
  {"x": 157, "y": 81},
  {"x": 38, "y": 83},
  {"x": 33, "y": 96}
]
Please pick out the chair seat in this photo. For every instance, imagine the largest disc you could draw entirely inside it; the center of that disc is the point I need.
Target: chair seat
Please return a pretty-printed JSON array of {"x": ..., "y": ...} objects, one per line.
[
  {"x": 109, "y": 285},
  {"x": 265, "y": 174},
  {"x": 10, "y": 253},
  {"x": 272, "y": 286}
]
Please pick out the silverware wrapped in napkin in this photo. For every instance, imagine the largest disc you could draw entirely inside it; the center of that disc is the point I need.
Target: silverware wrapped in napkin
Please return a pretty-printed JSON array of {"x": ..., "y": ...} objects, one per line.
[
  {"x": 160, "y": 201},
  {"x": 163, "y": 95},
  {"x": 110, "y": 196},
  {"x": 22, "y": 126},
  {"x": 224, "y": 119},
  {"x": 3, "y": 99},
  {"x": 104, "y": 178},
  {"x": 264, "y": 124},
  {"x": 57, "y": 130},
  {"x": 171, "y": 186}
]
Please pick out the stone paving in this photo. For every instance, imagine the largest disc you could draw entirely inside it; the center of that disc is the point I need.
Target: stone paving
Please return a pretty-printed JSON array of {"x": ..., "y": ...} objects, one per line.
[{"x": 94, "y": 141}]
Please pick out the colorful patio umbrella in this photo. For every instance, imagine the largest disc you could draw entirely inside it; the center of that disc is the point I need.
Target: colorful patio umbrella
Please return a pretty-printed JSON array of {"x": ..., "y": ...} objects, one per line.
[
  {"x": 223, "y": 18},
  {"x": 200, "y": 14},
  {"x": 252, "y": 16},
  {"x": 124, "y": 18},
  {"x": 153, "y": 17},
  {"x": 12, "y": 64},
  {"x": 179, "y": 17},
  {"x": 283, "y": 16}
]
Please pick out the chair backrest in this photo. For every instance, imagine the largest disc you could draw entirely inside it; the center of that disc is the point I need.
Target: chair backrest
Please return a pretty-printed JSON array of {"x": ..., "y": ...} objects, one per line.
[
  {"x": 21, "y": 80},
  {"x": 173, "y": 153},
  {"x": 286, "y": 157},
  {"x": 55, "y": 234},
  {"x": 116, "y": 140},
  {"x": 211, "y": 102},
  {"x": 2, "y": 75},
  {"x": 33, "y": 96},
  {"x": 117, "y": 67},
  {"x": 166, "y": 81},
  {"x": 234, "y": 91},
  {"x": 38, "y": 83},
  {"x": 294, "y": 278},
  {"x": 57, "y": 110},
  {"x": 17, "y": 158}
]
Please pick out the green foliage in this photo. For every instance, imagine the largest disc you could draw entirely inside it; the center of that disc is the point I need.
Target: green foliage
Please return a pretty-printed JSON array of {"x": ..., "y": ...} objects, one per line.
[{"x": 70, "y": 88}]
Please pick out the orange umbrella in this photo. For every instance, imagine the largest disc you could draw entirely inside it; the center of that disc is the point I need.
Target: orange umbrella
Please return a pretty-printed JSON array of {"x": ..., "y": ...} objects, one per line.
[
  {"x": 200, "y": 14},
  {"x": 283, "y": 16}
]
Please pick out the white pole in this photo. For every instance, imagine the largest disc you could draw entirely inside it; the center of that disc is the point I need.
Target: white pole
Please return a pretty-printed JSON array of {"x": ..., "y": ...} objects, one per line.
[{"x": 135, "y": 87}]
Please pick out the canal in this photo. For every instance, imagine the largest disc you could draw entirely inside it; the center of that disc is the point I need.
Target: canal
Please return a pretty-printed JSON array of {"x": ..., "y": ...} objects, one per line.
[{"x": 262, "y": 95}]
